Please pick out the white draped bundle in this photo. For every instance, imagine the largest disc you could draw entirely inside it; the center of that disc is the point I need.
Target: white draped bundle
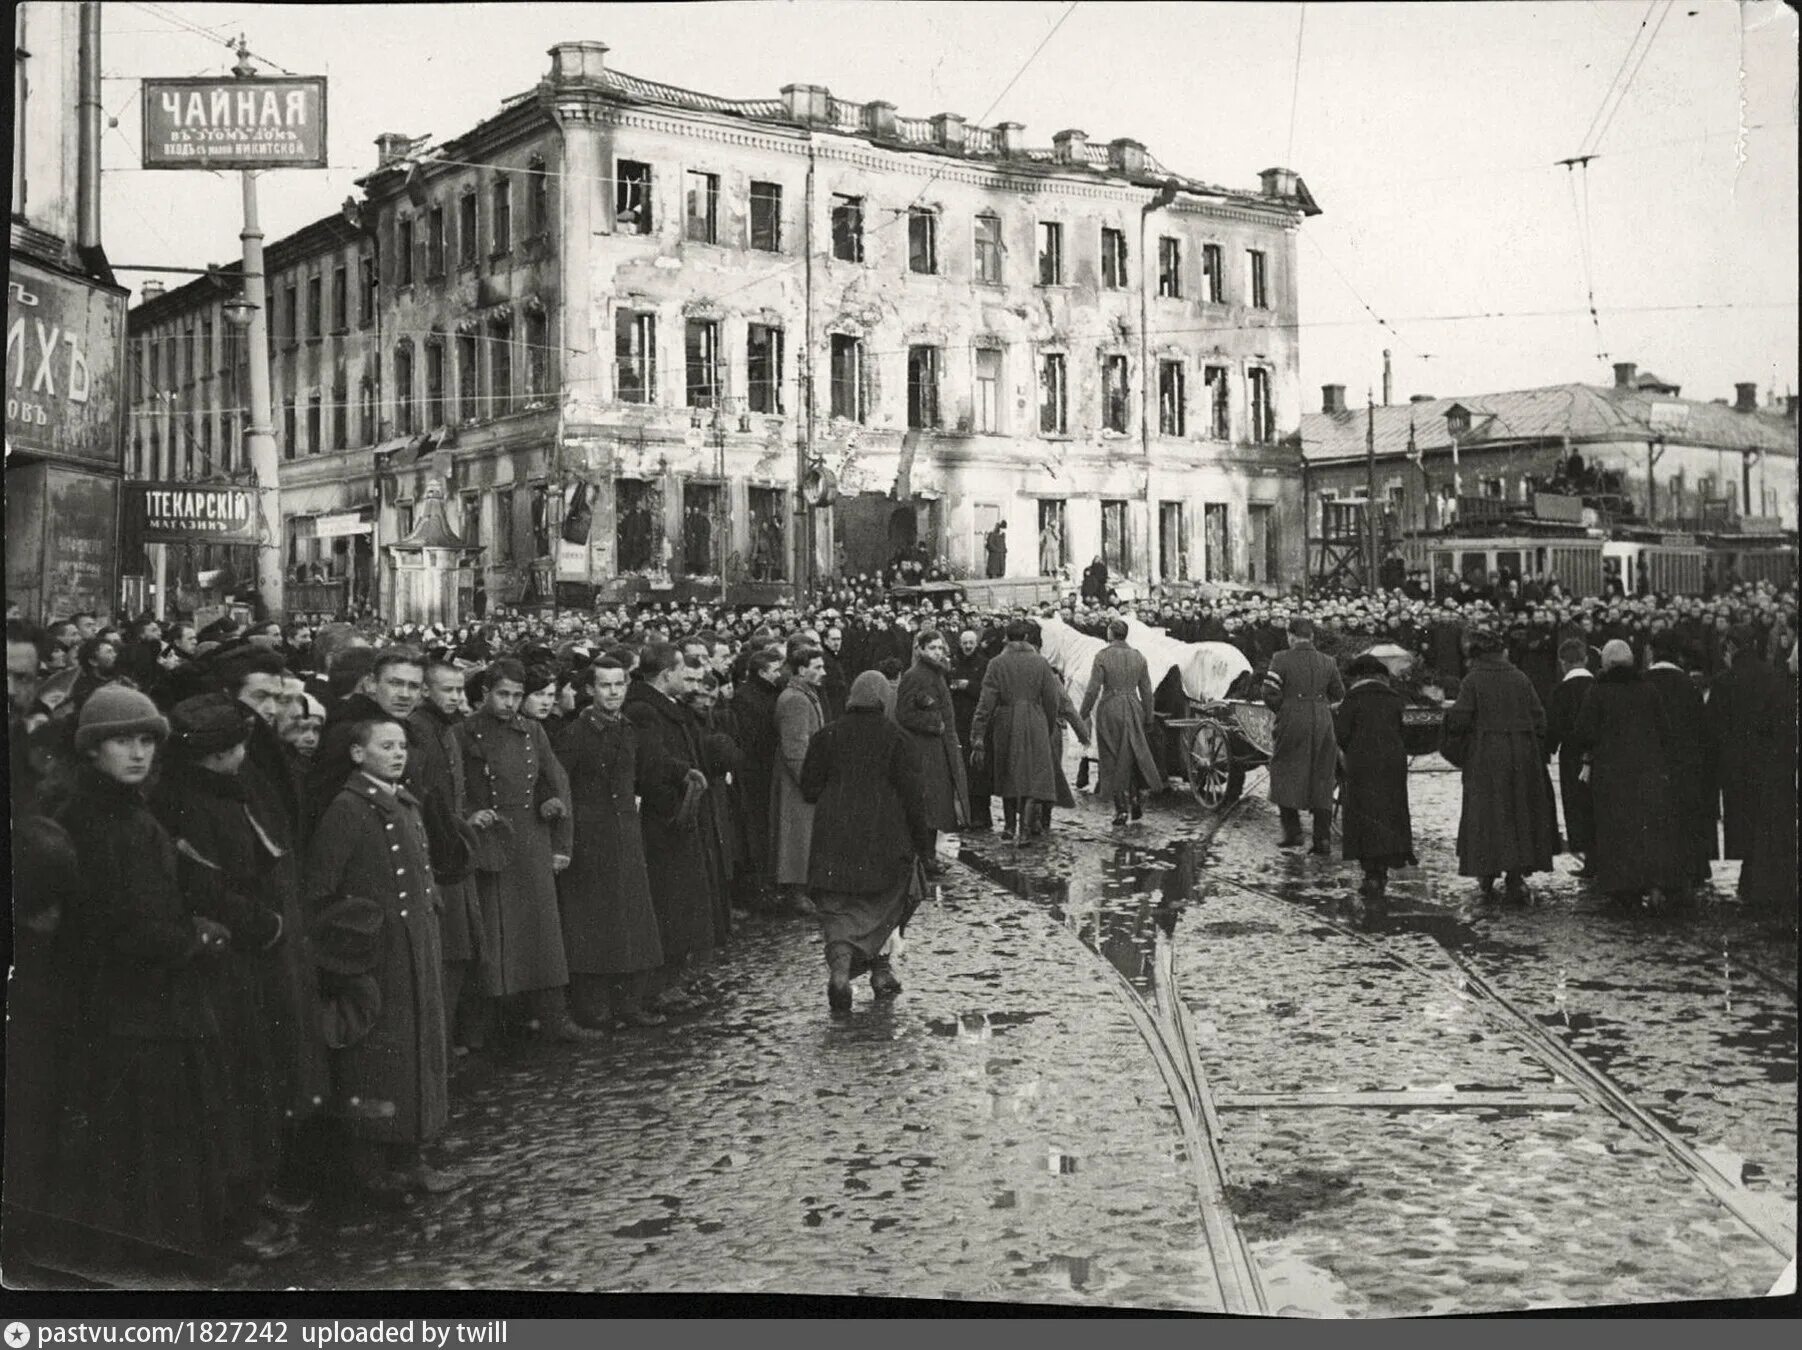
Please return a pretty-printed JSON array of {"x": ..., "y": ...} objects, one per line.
[{"x": 1208, "y": 668}]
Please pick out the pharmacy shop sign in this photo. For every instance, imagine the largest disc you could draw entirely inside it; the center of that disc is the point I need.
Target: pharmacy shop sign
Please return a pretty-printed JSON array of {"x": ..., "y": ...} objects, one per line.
[
  {"x": 184, "y": 513},
  {"x": 226, "y": 123}
]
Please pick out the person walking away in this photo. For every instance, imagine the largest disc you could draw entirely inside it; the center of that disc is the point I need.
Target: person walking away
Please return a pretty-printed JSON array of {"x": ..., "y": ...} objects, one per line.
[
  {"x": 1378, "y": 830},
  {"x": 965, "y": 682},
  {"x": 229, "y": 867},
  {"x": 1687, "y": 758},
  {"x": 1119, "y": 697},
  {"x": 374, "y": 909},
  {"x": 1301, "y": 684},
  {"x": 674, "y": 788},
  {"x": 923, "y": 710},
  {"x": 609, "y": 921},
  {"x": 510, "y": 774},
  {"x": 862, "y": 774},
  {"x": 435, "y": 776},
  {"x": 1495, "y": 734},
  {"x": 140, "y": 1169},
  {"x": 1023, "y": 698},
  {"x": 799, "y": 716},
  {"x": 1561, "y": 724},
  {"x": 1622, "y": 735}
]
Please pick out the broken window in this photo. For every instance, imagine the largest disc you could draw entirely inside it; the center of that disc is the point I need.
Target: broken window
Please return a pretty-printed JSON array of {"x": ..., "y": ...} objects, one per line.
[
  {"x": 1113, "y": 393},
  {"x": 434, "y": 243},
  {"x": 847, "y": 228},
  {"x": 502, "y": 224},
  {"x": 341, "y": 298},
  {"x": 1263, "y": 413},
  {"x": 434, "y": 381},
  {"x": 500, "y": 366},
  {"x": 403, "y": 252},
  {"x": 541, "y": 371},
  {"x": 315, "y": 309},
  {"x": 988, "y": 250},
  {"x": 340, "y": 409},
  {"x": 988, "y": 389},
  {"x": 1051, "y": 253},
  {"x": 468, "y": 408},
  {"x": 766, "y": 217},
  {"x": 634, "y": 524},
  {"x": 847, "y": 377},
  {"x": 635, "y": 356},
  {"x": 315, "y": 427},
  {"x": 703, "y": 207},
  {"x": 1219, "y": 404},
  {"x": 466, "y": 229},
  {"x": 1054, "y": 394},
  {"x": 922, "y": 388},
  {"x": 1113, "y": 258},
  {"x": 1170, "y": 267},
  {"x": 1258, "y": 272},
  {"x": 292, "y": 331},
  {"x": 763, "y": 367},
  {"x": 1213, "y": 284},
  {"x": 702, "y": 349},
  {"x": 365, "y": 290},
  {"x": 922, "y": 240},
  {"x": 538, "y": 221},
  {"x": 403, "y": 389},
  {"x": 1171, "y": 414},
  {"x": 290, "y": 433},
  {"x": 631, "y": 197}
]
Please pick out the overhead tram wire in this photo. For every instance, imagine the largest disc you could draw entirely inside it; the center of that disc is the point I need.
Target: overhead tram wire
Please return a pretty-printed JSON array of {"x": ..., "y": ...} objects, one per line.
[
  {"x": 1644, "y": 52},
  {"x": 1301, "y": 27},
  {"x": 1584, "y": 144}
]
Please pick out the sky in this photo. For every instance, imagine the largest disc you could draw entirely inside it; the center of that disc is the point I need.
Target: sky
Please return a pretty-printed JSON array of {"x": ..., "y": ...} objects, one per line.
[{"x": 1428, "y": 134}]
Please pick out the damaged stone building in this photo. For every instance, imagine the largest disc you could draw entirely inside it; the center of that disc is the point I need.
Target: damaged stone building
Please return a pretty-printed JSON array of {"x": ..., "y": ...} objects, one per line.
[{"x": 621, "y": 322}]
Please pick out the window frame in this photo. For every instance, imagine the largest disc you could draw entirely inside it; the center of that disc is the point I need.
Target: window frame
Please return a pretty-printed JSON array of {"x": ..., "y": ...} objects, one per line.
[
  {"x": 341, "y": 298},
  {"x": 1257, "y": 263},
  {"x": 538, "y": 198},
  {"x": 469, "y": 227},
  {"x": 1213, "y": 274},
  {"x": 922, "y": 239},
  {"x": 1054, "y": 364},
  {"x": 1260, "y": 388},
  {"x": 1217, "y": 380},
  {"x": 501, "y": 383},
  {"x": 1170, "y": 267},
  {"x": 434, "y": 244},
  {"x": 635, "y": 328},
  {"x": 1049, "y": 237},
  {"x": 1173, "y": 397},
  {"x": 640, "y": 183},
  {"x": 847, "y": 243},
  {"x": 855, "y": 381},
  {"x": 469, "y": 383},
  {"x": 767, "y": 204},
  {"x": 1113, "y": 259},
  {"x": 500, "y": 215},
  {"x": 1116, "y": 393},
  {"x": 709, "y": 361},
  {"x": 925, "y": 371},
  {"x": 994, "y": 420},
  {"x": 989, "y": 250},
  {"x": 403, "y": 388},
  {"x": 404, "y": 244},
  {"x": 767, "y": 390},
  {"x": 700, "y": 180}
]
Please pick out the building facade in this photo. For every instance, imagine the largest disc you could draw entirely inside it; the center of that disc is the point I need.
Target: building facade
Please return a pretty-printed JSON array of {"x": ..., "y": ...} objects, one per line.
[
  {"x": 65, "y": 326},
  {"x": 620, "y": 322},
  {"x": 1653, "y": 458}
]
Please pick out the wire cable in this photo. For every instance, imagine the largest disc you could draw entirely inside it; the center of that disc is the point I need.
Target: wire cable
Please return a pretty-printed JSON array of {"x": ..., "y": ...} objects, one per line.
[
  {"x": 1626, "y": 89},
  {"x": 1301, "y": 27},
  {"x": 1583, "y": 145}
]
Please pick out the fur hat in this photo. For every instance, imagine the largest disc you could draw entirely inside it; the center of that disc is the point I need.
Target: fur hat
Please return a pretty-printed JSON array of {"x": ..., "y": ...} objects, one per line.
[
  {"x": 208, "y": 723},
  {"x": 116, "y": 710}
]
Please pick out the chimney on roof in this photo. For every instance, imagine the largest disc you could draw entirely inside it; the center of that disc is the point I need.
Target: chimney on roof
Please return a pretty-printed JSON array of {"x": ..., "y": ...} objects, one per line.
[
  {"x": 1420, "y": 398},
  {"x": 807, "y": 102},
  {"x": 879, "y": 117},
  {"x": 391, "y": 147},
  {"x": 1332, "y": 398},
  {"x": 948, "y": 130},
  {"x": 1624, "y": 371},
  {"x": 1070, "y": 147},
  {"x": 578, "y": 63},
  {"x": 1745, "y": 397},
  {"x": 1126, "y": 156},
  {"x": 1011, "y": 137},
  {"x": 1279, "y": 182},
  {"x": 150, "y": 290}
]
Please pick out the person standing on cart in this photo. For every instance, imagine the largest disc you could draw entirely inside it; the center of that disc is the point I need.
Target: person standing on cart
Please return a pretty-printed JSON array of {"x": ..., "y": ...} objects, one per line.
[{"x": 1301, "y": 685}]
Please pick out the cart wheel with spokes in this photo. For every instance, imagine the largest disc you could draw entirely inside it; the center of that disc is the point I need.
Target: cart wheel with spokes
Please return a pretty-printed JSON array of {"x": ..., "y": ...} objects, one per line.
[{"x": 1208, "y": 758}]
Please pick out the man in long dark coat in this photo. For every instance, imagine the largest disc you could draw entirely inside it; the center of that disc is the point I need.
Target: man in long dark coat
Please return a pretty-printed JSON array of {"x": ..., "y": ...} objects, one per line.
[
  {"x": 1561, "y": 723},
  {"x": 994, "y": 548},
  {"x": 390, "y": 1077},
  {"x": 675, "y": 844},
  {"x": 1367, "y": 724},
  {"x": 1024, "y": 698},
  {"x": 435, "y": 776},
  {"x": 754, "y": 712},
  {"x": 1735, "y": 702},
  {"x": 1120, "y": 683},
  {"x": 1756, "y": 730},
  {"x": 524, "y": 840},
  {"x": 1622, "y": 734},
  {"x": 923, "y": 710},
  {"x": 965, "y": 681},
  {"x": 1302, "y": 684},
  {"x": 609, "y": 921},
  {"x": 1495, "y": 733},
  {"x": 1687, "y": 756}
]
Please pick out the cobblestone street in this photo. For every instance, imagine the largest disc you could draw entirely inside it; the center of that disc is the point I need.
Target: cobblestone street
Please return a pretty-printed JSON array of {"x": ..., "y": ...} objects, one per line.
[{"x": 1002, "y": 1131}]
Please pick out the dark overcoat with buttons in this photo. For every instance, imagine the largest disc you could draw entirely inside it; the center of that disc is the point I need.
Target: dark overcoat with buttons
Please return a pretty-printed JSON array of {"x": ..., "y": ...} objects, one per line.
[
  {"x": 609, "y": 924},
  {"x": 392, "y": 1085},
  {"x": 923, "y": 709},
  {"x": 509, "y": 768},
  {"x": 675, "y": 842},
  {"x": 435, "y": 776}
]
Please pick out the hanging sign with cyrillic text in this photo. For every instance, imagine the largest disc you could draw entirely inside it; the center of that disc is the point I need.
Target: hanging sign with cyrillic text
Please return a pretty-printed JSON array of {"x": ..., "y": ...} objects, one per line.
[
  {"x": 224, "y": 123},
  {"x": 178, "y": 513}
]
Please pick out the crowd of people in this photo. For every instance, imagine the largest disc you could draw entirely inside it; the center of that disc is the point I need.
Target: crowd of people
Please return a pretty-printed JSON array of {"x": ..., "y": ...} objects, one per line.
[{"x": 273, "y": 882}]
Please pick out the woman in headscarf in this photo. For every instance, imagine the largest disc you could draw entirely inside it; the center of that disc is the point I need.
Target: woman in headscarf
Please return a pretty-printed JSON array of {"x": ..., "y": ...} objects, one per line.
[
  {"x": 1379, "y": 833},
  {"x": 1622, "y": 734},
  {"x": 862, "y": 777},
  {"x": 1495, "y": 734},
  {"x": 1119, "y": 696}
]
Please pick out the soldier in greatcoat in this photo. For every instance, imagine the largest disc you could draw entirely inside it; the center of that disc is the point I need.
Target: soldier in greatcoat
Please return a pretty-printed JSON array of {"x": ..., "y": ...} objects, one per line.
[
  {"x": 383, "y": 1017},
  {"x": 1024, "y": 699},
  {"x": 524, "y": 840},
  {"x": 1302, "y": 684},
  {"x": 609, "y": 921}
]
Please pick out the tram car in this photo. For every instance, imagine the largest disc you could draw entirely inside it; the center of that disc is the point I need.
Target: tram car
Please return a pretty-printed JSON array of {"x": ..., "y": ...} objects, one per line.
[{"x": 1577, "y": 562}]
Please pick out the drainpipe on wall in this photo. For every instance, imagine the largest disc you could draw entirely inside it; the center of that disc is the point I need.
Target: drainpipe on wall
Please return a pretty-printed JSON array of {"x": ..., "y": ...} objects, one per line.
[
  {"x": 1165, "y": 195},
  {"x": 87, "y": 233}
]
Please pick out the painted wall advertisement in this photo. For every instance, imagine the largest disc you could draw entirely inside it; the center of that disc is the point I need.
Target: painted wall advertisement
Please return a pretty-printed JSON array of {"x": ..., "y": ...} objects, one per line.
[
  {"x": 65, "y": 351},
  {"x": 218, "y": 122},
  {"x": 61, "y": 555}
]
